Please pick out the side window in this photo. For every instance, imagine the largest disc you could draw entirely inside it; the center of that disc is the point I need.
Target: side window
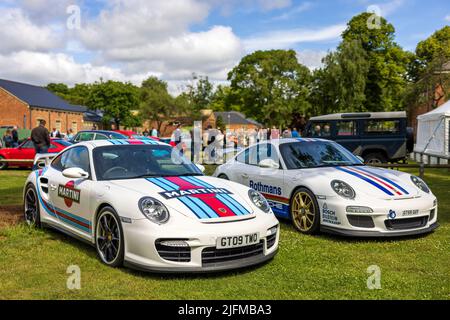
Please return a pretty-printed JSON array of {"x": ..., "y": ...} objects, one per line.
[
  {"x": 320, "y": 129},
  {"x": 267, "y": 151},
  {"x": 85, "y": 136},
  {"x": 372, "y": 127},
  {"x": 77, "y": 157},
  {"x": 346, "y": 128},
  {"x": 99, "y": 136},
  {"x": 242, "y": 156}
]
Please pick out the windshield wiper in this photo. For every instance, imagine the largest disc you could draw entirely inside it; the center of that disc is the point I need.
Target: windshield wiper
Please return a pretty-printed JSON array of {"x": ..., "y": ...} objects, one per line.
[{"x": 190, "y": 174}]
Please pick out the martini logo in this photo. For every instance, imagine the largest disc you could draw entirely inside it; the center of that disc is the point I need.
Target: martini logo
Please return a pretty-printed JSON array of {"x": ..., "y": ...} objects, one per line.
[
  {"x": 191, "y": 192},
  {"x": 69, "y": 193}
]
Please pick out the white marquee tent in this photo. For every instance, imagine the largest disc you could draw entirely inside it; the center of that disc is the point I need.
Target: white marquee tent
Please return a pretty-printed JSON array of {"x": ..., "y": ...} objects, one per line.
[{"x": 433, "y": 132}]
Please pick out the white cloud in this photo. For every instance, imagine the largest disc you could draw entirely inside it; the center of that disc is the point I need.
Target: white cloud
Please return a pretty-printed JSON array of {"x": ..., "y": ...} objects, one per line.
[
  {"x": 17, "y": 32},
  {"x": 311, "y": 58},
  {"x": 283, "y": 39},
  {"x": 447, "y": 17},
  {"x": 305, "y": 6},
  {"x": 42, "y": 68}
]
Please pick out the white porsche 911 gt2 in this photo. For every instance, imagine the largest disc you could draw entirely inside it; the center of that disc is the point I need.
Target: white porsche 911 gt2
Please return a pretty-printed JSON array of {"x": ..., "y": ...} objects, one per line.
[
  {"x": 321, "y": 186},
  {"x": 142, "y": 204}
]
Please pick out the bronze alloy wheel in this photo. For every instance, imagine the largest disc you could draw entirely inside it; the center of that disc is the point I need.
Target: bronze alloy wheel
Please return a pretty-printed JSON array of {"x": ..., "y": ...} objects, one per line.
[{"x": 305, "y": 212}]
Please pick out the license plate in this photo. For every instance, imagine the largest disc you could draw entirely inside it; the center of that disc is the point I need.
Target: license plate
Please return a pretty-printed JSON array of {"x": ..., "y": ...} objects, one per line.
[
  {"x": 237, "y": 241},
  {"x": 407, "y": 213}
]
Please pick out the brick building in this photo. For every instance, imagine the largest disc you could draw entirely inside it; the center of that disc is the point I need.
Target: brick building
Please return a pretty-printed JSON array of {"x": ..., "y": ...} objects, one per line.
[
  {"x": 234, "y": 120},
  {"x": 24, "y": 105}
]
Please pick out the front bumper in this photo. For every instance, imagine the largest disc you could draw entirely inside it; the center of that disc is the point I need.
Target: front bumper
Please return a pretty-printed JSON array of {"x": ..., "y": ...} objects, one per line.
[
  {"x": 143, "y": 250},
  {"x": 390, "y": 218}
]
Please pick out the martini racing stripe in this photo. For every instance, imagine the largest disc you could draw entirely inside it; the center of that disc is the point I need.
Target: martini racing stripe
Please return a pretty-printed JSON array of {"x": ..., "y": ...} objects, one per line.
[
  {"x": 190, "y": 204},
  {"x": 385, "y": 179},
  {"x": 375, "y": 184}
]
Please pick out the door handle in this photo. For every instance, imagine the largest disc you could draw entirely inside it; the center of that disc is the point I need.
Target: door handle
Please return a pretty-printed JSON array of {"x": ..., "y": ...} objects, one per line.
[{"x": 52, "y": 187}]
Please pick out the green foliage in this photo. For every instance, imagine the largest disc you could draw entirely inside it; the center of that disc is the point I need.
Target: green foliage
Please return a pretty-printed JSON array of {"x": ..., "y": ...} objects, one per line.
[
  {"x": 77, "y": 95},
  {"x": 340, "y": 85},
  {"x": 200, "y": 93},
  {"x": 436, "y": 46},
  {"x": 270, "y": 86},
  {"x": 220, "y": 123},
  {"x": 388, "y": 63},
  {"x": 116, "y": 100},
  {"x": 156, "y": 104}
]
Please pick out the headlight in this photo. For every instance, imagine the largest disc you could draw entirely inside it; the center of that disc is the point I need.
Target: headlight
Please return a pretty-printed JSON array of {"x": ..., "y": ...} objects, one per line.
[
  {"x": 420, "y": 184},
  {"x": 343, "y": 189},
  {"x": 259, "y": 200},
  {"x": 154, "y": 210}
]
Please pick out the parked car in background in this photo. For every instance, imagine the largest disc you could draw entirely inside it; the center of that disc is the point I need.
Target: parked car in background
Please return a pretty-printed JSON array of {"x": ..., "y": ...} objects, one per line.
[
  {"x": 88, "y": 135},
  {"x": 134, "y": 135},
  {"x": 378, "y": 137},
  {"x": 25, "y": 151}
]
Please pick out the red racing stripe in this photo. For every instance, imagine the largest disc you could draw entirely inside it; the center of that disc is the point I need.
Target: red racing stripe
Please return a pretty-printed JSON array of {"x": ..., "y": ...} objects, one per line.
[
  {"x": 376, "y": 179},
  {"x": 182, "y": 184}
]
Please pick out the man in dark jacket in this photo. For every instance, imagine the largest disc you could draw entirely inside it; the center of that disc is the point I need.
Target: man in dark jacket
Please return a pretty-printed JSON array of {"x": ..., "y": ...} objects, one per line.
[
  {"x": 15, "y": 137},
  {"x": 41, "y": 138}
]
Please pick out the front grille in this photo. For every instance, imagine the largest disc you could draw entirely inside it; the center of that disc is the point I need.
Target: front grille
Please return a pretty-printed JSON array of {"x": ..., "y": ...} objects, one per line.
[
  {"x": 409, "y": 223},
  {"x": 270, "y": 240},
  {"x": 177, "y": 254},
  {"x": 361, "y": 221},
  {"x": 212, "y": 255}
]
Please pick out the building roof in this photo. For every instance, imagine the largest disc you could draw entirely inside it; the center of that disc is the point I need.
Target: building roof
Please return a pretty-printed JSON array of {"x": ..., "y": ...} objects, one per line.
[
  {"x": 36, "y": 96},
  {"x": 361, "y": 115},
  {"x": 234, "y": 117}
]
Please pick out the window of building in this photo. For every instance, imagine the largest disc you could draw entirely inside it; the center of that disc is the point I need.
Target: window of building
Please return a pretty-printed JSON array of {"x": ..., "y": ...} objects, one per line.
[
  {"x": 58, "y": 125},
  {"x": 74, "y": 127}
]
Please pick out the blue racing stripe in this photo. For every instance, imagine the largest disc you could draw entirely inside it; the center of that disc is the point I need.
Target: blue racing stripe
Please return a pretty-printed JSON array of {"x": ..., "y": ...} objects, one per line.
[
  {"x": 385, "y": 179},
  {"x": 236, "y": 203},
  {"x": 160, "y": 184},
  {"x": 230, "y": 205},
  {"x": 204, "y": 207},
  {"x": 193, "y": 207},
  {"x": 168, "y": 183},
  {"x": 367, "y": 180}
]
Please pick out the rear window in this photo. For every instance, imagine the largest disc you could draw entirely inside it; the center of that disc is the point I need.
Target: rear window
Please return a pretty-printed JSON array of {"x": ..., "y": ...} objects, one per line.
[
  {"x": 346, "y": 128},
  {"x": 382, "y": 127}
]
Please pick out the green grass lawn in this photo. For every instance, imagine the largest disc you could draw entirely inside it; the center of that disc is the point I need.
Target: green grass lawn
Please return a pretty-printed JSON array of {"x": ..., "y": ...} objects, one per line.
[{"x": 33, "y": 264}]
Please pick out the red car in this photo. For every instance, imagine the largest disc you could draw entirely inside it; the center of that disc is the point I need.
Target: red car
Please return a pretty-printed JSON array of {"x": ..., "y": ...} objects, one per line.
[
  {"x": 133, "y": 135},
  {"x": 26, "y": 151}
]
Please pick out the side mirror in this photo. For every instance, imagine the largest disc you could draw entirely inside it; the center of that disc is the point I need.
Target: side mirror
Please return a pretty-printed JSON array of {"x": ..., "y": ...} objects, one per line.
[
  {"x": 269, "y": 163},
  {"x": 201, "y": 167},
  {"x": 75, "y": 173},
  {"x": 360, "y": 159}
]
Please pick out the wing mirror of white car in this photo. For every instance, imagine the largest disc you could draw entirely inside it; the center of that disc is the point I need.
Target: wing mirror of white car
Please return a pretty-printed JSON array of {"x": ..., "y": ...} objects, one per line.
[
  {"x": 200, "y": 167},
  {"x": 269, "y": 163},
  {"x": 75, "y": 173},
  {"x": 360, "y": 158}
]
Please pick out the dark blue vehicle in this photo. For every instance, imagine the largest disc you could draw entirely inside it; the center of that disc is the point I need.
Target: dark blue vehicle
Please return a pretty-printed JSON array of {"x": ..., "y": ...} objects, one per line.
[
  {"x": 87, "y": 135},
  {"x": 377, "y": 137}
]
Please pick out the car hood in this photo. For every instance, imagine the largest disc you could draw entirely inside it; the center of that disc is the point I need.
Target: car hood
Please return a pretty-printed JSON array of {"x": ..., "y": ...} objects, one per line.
[
  {"x": 369, "y": 181},
  {"x": 202, "y": 198}
]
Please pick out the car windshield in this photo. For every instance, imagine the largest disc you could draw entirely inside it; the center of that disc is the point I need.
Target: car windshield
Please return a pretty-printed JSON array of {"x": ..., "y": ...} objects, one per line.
[
  {"x": 313, "y": 154},
  {"x": 140, "y": 161},
  {"x": 63, "y": 142}
]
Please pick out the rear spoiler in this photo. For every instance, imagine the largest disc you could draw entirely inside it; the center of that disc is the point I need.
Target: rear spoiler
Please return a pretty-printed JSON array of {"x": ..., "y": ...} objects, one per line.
[{"x": 41, "y": 160}]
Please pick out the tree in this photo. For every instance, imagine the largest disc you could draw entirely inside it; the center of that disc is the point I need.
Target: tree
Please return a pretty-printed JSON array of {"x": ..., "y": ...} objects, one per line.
[
  {"x": 116, "y": 100},
  {"x": 270, "y": 85},
  {"x": 388, "y": 63},
  {"x": 200, "y": 93},
  {"x": 156, "y": 104},
  {"x": 340, "y": 85}
]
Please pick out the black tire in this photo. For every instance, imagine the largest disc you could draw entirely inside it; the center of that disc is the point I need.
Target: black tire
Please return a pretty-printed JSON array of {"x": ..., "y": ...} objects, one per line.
[
  {"x": 3, "y": 165},
  {"x": 375, "y": 158},
  {"x": 223, "y": 176},
  {"x": 301, "y": 219},
  {"x": 32, "y": 213},
  {"x": 109, "y": 240}
]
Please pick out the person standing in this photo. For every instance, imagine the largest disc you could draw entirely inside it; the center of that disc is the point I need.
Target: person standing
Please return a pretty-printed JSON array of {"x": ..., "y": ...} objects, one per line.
[
  {"x": 69, "y": 135},
  {"x": 295, "y": 133},
  {"x": 154, "y": 132},
  {"x": 145, "y": 133},
  {"x": 41, "y": 138},
  {"x": 7, "y": 139},
  {"x": 177, "y": 137},
  {"x": 55, "y": 133},
  {"x": 15, "y": 137}
]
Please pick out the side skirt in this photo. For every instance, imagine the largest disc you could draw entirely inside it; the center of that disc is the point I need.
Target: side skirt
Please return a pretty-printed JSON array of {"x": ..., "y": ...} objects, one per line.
[{"x": 67, "y": 233}]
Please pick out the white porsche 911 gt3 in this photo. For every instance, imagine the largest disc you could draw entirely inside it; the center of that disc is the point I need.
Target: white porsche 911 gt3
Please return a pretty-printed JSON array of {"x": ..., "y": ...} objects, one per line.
[
  {"x": 321, "y": 186},
  {"x": 144, "y": 205}
]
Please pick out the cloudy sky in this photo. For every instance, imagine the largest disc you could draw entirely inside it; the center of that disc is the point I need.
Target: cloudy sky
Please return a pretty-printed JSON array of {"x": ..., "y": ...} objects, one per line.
[{"x": 72, "y": 41}]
